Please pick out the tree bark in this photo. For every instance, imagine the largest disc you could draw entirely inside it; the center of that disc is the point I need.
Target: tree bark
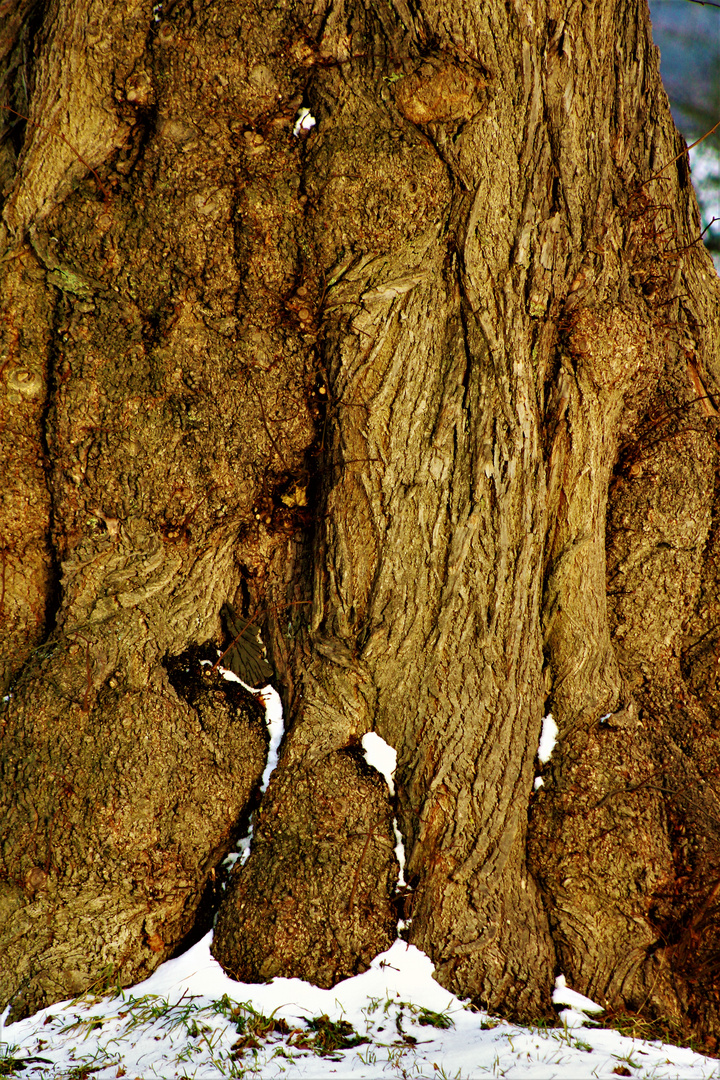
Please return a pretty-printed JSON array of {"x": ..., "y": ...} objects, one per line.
[
  {"x": 431, "y": 386},
  {"x": 146, "y": 375}
]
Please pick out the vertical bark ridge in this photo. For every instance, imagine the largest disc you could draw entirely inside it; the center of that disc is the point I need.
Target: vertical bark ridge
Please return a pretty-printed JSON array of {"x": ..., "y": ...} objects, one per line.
[
  {"x": 606, "y": 821},
  {"x": 431, "y": 532},
  {"x": 26, "y": 558},
  {"x": 76, "y": 116}
]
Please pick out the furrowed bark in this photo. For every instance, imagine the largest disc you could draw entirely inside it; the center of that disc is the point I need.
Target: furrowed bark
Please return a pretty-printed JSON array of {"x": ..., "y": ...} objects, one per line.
[
  {"x": 537, "y": 336},
  {"x": 426, "y": 587},
  {"x": 429, "y": 390}
]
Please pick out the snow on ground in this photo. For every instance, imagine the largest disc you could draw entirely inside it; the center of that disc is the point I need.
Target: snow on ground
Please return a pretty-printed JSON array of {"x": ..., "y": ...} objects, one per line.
[{"x": 190, "y": 1020}]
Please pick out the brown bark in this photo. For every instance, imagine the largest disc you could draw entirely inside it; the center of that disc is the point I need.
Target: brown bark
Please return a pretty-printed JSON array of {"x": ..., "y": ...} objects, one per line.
[
  {"x": 331, "y": 823},
  {"x": 119, "y": 803},
  {"x": 145, "y": 381},
  {"x": 484, "y": 262}
]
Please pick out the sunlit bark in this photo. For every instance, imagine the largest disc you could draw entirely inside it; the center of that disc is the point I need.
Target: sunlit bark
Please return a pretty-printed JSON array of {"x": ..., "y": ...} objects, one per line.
[{"x": 428, "y": 391}]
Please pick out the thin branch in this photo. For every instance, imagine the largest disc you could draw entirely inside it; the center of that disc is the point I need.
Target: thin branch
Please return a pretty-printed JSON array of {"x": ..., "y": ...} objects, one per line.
[
  {"x": 692, "y": 145},
  {"x": 234, "y": 641},
  {"x": 275, "y": 446}
]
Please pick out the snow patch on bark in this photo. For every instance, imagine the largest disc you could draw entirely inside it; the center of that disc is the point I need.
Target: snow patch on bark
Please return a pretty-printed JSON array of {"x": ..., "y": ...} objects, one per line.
[
  {"x": 304, "y": 121},
  {"x": 548, "y": 738},
  {"x": 382, "y": 757},
  {"x": 273, "y": 717},
  {"x": 274, "y": 720}
]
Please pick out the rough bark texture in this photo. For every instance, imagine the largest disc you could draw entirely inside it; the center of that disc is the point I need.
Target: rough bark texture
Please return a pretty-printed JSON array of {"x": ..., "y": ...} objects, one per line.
[
  {"x": 431, "y": 386},
  {"x": 141, "y": 794},
  {"x": 140, "y": 446},
  {"x": 302, "y": 921}
]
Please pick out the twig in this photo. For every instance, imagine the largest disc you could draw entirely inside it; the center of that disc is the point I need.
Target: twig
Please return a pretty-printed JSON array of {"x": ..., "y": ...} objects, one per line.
[
  {"x": 687, "y": 148},
  {"x": 630, "y": 789},
  {"x": 234, "y": 641},
  {"x": 265, "y": 423}
]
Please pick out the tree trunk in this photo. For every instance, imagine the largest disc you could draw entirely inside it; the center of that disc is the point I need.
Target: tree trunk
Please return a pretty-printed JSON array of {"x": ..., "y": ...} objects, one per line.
[
  {"x": 145, "y": 375},
  {"x": 430, "y": 386}
]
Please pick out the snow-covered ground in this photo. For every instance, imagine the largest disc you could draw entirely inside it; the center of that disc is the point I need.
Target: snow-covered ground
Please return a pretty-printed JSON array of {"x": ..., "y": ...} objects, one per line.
[{"x": 190, "y": 1020}]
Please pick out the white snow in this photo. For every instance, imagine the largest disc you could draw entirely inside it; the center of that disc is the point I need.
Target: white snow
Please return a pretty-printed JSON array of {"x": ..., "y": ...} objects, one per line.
[
  {"x": 578, "y": 1005},
  {"x": 274, "y": 719},
  {"x": 305, "y": 120},
  {"x": 273, "y": 716},
  {"x": 183, "y": 1022},
  {"x": 382, "y": 757},
  {"x": 548, "y": 737}
]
